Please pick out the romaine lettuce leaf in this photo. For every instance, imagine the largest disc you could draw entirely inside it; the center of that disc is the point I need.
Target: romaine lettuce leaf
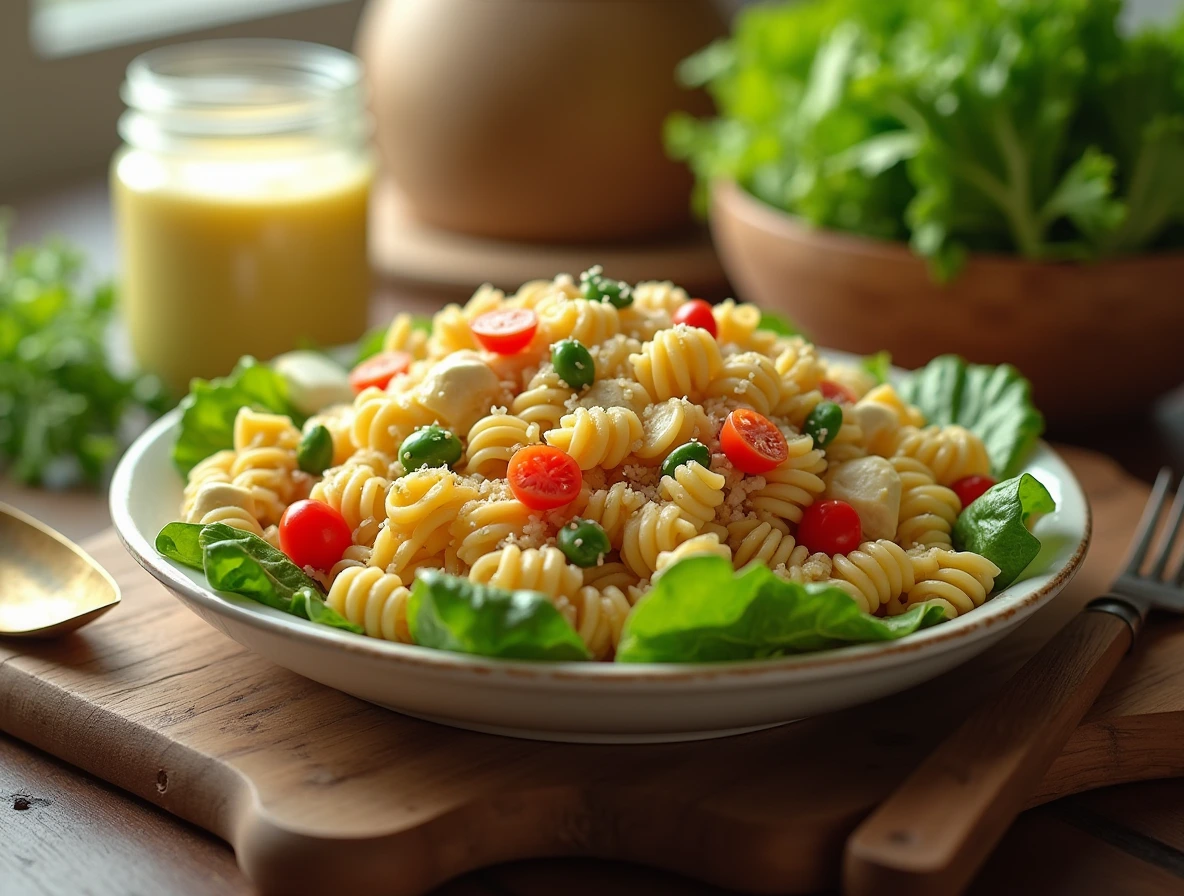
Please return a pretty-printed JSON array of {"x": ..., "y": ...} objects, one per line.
[
  {"x": 179, "y": 542},
  {"x": 454, "y": 613},
  {"x": 243, "y": 563},
  {"x": 995, "y": 402},
  {"x": 996, "y": 525},
  {"x": 207, "y": 420},
  {"x": 700, "y": 610},
  {"x": 778, "y": 323},
  {"x": 879, "y": 366}
]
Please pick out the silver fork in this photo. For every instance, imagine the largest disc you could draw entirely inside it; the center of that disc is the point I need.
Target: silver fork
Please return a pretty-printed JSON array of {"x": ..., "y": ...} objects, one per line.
[{"x": 933, "y": 833}]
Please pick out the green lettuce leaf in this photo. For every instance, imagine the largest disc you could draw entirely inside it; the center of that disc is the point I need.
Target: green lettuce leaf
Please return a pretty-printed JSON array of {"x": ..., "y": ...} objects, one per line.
[
  {"x": 243, "y": 563},
  {"x": 207, "y": 421},
  {"x": 879, "y": 366},
  {"x": 453, "y": 613},
  {"x": 179, "y": 542},
  {"x": 778, "y": 323},
  {"x": 701, "y": 610},
  {"x": 996, "y": 525},
  {"x": 995, "y": 402}
]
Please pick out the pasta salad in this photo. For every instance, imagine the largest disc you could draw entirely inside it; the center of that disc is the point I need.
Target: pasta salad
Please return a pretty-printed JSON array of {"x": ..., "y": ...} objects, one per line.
[{"x": 590, "y": 469}]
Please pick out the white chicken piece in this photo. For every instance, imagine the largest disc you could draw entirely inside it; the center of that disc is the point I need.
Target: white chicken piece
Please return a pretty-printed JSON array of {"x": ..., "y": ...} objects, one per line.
[
  {"x": 879, "y": 424},
  {"x": 616, "y": 393},
  {"x": 872, "y": 486},
  {"x": 460, "y": 390},
  {"x": 314, "y": 381}
]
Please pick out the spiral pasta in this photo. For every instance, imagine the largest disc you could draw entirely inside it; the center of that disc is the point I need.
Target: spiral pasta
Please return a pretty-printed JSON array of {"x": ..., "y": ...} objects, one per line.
[
  {"x": 358, "y": 495},
  {"x": 696, "y": 491},
  {"x": 653, "y": 529},
  {"x": 493, "y": 440},
  {"x": 679, "y": 362},
  {"x": 879, "y": 572},
  {"x": 544, "y": 400},
  {"x": 656, "y": 388},
  {"x": 960, "y": 582},
  {"x": 951, "y": 452},
  {"x": 792, "y": 486},
  {"x": 750, "y": 380},
  {"x": 533, "y": 569},
  {"x": 610, "y": 508},
  {"x": 373, "y": 599},
  {"x": 600, "y": 437},
  {"x": 927, "y": 510}
]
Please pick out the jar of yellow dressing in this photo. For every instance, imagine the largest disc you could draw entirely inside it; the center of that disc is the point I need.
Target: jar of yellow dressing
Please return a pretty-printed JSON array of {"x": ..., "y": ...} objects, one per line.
[{"x": 240, "y": 198}]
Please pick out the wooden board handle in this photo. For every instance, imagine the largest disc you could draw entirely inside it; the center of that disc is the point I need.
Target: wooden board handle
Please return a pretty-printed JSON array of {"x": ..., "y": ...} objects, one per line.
[{"x": 934, "y": 832}]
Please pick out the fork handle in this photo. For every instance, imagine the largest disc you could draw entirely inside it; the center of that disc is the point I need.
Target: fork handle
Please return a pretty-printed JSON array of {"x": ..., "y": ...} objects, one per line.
[{"x": 934, "y": 832}]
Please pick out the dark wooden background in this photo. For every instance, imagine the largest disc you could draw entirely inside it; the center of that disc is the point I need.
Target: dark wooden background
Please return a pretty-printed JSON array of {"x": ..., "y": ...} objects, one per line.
[{"x": 63, "y": 831}]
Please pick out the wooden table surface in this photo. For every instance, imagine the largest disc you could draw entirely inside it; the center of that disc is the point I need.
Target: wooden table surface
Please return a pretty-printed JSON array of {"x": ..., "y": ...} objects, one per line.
[{"x": 66, "y": 832}]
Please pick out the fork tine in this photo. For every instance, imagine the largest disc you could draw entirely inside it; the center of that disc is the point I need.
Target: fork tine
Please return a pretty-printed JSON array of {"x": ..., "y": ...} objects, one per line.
[
  {"x": 1170, "y": 533},
  {"x": 1145, "y": 533}
]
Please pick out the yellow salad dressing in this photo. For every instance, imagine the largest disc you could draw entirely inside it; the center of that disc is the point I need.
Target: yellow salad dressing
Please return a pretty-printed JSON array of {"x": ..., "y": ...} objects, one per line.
[{"x": 235, "y": 238}]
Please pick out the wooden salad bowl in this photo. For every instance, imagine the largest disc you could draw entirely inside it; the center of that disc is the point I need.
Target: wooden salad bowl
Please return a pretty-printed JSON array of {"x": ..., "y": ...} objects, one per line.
[{"x": 1096, "y": 340}]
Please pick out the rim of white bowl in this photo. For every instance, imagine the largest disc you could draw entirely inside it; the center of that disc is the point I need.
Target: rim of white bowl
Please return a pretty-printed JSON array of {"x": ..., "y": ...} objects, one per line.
[{"x": 837, "y": 662}]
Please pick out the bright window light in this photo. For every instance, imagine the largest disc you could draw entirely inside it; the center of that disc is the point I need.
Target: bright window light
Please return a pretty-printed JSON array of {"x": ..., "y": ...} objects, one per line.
[{"x": 70, "y": 27}]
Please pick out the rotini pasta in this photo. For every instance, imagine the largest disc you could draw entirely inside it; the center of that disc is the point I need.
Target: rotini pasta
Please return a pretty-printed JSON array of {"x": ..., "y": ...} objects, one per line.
[{"x": 653, "y": 474}]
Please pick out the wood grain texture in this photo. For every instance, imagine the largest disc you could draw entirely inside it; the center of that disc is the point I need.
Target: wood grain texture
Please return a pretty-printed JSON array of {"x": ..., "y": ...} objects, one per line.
[
  {"x": 930, "y": 836},
  {"x": 155, "y": 701}
]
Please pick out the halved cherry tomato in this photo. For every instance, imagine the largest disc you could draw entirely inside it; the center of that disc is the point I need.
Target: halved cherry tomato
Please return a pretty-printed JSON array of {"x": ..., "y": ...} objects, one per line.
[
  {"x": 505, "y": 331},
  {"x": 379, "y": 370},
  {"x": 837, "y": 392},
  {"x": 970, "y": 488},
  {"x": 830, "y": 527},
  {"x": 752, "y": 442},
  {"x": 543, "y": 478},
  {"x": 314, "y": 534},
  {"x": 696, "y": 313}
]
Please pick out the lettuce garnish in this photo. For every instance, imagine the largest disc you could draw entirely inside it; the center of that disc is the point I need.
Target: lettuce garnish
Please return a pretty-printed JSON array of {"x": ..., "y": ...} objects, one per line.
[
  {"x": 701, "y": 610},
  {"x": 996, "y": 525},
  {"x": 242, "y": 563},
  {"x": 778, "y": 323},
  {"x": 994, "y": 402},
  {"x": 454, "y": 613},
  {"x": 207, "y": 421}
]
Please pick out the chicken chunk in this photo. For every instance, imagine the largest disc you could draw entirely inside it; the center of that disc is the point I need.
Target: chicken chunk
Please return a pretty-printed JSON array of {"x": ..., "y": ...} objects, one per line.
[
  {"x": 460, "y": 390},
  {"x": 872, "y": 486}
]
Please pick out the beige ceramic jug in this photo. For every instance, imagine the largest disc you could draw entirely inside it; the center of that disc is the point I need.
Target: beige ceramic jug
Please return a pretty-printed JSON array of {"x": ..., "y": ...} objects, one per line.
[{"x": 537, "y": 120}]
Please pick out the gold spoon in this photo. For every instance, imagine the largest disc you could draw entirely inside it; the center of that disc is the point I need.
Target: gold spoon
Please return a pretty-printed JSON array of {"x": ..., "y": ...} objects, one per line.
[{"x": 48, "y": 585}]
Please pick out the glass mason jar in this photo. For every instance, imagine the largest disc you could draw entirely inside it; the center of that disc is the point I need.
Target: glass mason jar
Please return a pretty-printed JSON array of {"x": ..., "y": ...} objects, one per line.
[{"x": 240, "y": 197}]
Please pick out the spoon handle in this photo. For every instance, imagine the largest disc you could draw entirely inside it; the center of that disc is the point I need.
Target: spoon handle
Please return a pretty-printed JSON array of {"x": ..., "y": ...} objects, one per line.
[{"x": 934, "y": 832}]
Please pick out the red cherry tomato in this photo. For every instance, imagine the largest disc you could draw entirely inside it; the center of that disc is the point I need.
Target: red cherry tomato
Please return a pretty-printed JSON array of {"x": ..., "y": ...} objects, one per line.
[
  {"x": 970, "y": 488},
  {"x": 379, "y": 370},
  {"x": 833, "y": 391},
  {"x": 314, "y": 534},
  {"x": 543, "y": 478},
  {"x": 696, "y": 313},
  {"x": 752, "y": 442},
  {"x": 830, "y": 527},
  {"x": 505, "y": 331}
]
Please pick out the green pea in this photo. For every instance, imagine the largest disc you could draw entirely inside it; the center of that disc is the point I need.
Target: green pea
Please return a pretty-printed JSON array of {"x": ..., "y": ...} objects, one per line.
[
  {"x": 583, "y": 542},
  {"x": 430, "y": 446},
  {"x": 315, "y": 454},
  {"x": 684, "y": 454},
  {"x": 573, "y": 362},
  {"x": 595, "y": 287},
  {"x": 823, "y": 423}
]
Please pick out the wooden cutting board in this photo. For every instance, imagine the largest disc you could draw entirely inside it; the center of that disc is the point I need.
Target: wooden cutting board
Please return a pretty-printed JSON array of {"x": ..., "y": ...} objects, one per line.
[{"x": 317, "y": 790}]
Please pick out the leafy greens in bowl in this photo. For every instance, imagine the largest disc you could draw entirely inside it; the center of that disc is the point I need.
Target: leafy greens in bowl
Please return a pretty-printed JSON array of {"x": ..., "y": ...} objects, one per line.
[{"x": 1033, "y": 127}]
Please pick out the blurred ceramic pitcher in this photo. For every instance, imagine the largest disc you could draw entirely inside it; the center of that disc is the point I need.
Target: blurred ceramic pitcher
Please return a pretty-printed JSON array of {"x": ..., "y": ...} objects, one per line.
[{"x": 536, "y": 120}]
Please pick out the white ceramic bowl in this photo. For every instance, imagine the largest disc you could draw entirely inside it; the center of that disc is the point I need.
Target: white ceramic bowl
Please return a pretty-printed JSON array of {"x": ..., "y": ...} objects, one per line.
[{"x": 593, "y": 702}]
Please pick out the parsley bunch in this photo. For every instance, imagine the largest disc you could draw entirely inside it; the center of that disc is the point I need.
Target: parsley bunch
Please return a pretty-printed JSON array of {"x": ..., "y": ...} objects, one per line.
[{"x": 65, "y": 408}]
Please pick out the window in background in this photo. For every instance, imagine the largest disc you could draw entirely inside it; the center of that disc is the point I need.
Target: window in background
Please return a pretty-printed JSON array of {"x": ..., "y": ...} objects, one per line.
[{"x": 68, "y": 27}]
